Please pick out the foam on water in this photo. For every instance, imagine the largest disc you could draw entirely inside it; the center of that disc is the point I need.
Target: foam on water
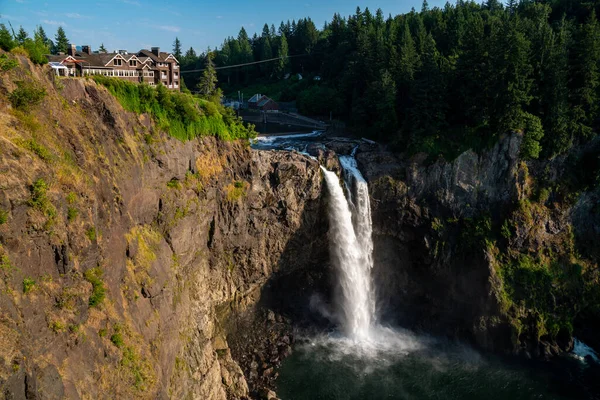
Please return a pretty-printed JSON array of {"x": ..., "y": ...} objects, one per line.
[
  {"x": 269, "y": 140},
  {"x": 581, "y": 350}
]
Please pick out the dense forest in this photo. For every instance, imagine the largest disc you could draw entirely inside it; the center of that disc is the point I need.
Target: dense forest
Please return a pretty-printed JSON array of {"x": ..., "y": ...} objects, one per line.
[{"x": 439, "y": 80}]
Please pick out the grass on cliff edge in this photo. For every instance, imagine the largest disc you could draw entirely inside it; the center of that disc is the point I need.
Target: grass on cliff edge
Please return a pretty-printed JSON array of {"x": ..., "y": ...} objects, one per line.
[{"x": 181, "y": 115}]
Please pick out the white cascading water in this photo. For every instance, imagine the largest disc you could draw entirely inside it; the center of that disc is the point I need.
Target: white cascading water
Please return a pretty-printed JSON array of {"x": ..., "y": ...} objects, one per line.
[{"x": 351, "y": 248}]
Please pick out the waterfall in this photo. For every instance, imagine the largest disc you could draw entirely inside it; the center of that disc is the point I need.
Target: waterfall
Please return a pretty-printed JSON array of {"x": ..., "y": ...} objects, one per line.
[{"x": 351, "y": 248}]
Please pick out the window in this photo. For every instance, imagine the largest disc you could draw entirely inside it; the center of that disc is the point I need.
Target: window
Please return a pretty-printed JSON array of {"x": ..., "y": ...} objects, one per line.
[
  {"x": 117, "y": 61},
  {"x": 176, "y": 84},
  {"x": 132, "y": 63},
  {"x": 175, "y": 74}
]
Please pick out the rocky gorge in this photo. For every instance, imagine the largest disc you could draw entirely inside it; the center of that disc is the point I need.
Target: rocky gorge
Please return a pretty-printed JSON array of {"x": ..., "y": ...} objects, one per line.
[{"x": 135, "y": 265}]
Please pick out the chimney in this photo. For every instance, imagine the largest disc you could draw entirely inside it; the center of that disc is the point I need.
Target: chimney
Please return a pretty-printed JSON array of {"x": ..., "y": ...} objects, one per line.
[
  {"x": 86, "y": 49},
  {"x": 155, "y": 51},
  {"x": 71, "y": 50}
]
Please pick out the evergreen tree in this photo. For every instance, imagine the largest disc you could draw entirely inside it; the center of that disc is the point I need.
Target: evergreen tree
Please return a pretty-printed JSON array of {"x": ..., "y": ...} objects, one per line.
[
  {"x": 102, "y": 49},
  {"x": 40, "y": 35},
  {"x": 208, "y": 83},
  {"x": 6, "y": 39},
  {"x": 427, "y": 114},
  {"x": 22, "y": 36},
  {"x": 511, "y": 76},
  {"x": 177, "y": 48},
  {"x": 190, "y": 54},
  {"x": 61, "y": 43},
  {"x": 585, "y": 77},
  {"x": 282, "y": 64}
]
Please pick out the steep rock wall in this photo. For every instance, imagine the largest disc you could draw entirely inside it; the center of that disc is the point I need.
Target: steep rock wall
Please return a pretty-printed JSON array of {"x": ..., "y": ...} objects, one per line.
[
  {"x": 486, "y": 248},
  {"x": 120, "y": 244}
]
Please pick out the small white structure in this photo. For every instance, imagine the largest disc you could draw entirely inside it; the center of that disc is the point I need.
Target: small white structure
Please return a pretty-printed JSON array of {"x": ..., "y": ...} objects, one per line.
[{"x": 59, "y": 69}]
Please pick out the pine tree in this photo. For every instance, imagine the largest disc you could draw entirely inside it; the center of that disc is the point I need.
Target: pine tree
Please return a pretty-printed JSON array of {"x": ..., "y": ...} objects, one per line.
[
  {"x": 61, "y": 43},
  {"x": 40, "y": 35},
  {"x": 22, "y": 36},
  {"x": 6, "y": 39},
  {"x": 282, "y": 64},
  {"x": 102, "y": 49},
  {"x": 190, "y": 54},
  {"x": 585, "y": 77},
  {"x": 266, "y": 54},
  {"x": 511, "y": 76},
  {"x": 427, "y": 114},
  {"x": 208, "y": 83},
  {"x": 177, "y": 48}
]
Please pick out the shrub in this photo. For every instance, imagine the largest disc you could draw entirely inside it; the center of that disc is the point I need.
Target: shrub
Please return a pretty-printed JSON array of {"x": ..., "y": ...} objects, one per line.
[
  {"x": 26, "y": 94},
  {"x": 5, "y": 264},
  {"x": 57, "y": 326},
  {"x": 173, "y": 184},
  {"x": 235, "y": 191},
  {"x": 534, "y": 132},
  {"x": 19, "y": 51},
  {"x": 71, "y": 198},
  {"x": 91, "y": 234},
  {"x": 3, "y": 216},
  {"x": 182, "y": 115},
  {"x": 36, "y": 50},
  {"x": 117, "y": 339},
  {"x": 28, "y": 285},
  {"x": 41, "y": 151},
  {"x": 6, "y": 63},
  {"x": 544, "y": 195},
  {"x": 39, "y": 201},
  {"x": 29, "y": 121},
  {"x": 94, "y": 276},
  {"x": 72, "y": 213}
]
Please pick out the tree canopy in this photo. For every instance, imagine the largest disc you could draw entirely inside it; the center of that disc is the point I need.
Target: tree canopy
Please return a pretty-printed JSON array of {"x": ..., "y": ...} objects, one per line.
[{"x": 440, "y": 80}]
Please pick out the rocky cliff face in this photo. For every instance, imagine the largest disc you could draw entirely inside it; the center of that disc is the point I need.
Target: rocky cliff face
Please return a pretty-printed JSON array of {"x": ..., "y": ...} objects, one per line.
[
  {"x": 123, "y": 251},
  {"x": 482, "y": 249}
]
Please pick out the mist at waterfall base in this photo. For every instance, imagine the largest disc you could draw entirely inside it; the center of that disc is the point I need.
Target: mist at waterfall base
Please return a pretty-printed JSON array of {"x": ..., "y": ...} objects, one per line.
[{"x": 365, "y": 359}]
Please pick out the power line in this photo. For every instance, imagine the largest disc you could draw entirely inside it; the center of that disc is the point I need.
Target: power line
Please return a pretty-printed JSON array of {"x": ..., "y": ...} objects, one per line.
[{"x": 250, "y": 63}]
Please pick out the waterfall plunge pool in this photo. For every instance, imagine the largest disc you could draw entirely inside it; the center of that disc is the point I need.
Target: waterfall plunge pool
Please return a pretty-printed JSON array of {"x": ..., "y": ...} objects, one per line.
[{"x": 406, "y": 366}]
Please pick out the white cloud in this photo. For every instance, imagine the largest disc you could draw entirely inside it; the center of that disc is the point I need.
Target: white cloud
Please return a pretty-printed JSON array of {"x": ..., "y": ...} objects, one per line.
[
  {"x": 10, "y": 17},
  {"x": 219, "y": 17},
  {"x": 132, "y": 2},
  {"x": 53, "y": 22},
  {"x": 169, "y": 28},
  {"x": 75, "y": 15},
  {"x": 21, "y": 1}
]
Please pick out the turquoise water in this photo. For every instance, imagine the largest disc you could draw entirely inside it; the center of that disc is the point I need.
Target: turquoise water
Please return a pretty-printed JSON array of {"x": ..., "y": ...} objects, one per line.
[{"x": 326, "y": 368}]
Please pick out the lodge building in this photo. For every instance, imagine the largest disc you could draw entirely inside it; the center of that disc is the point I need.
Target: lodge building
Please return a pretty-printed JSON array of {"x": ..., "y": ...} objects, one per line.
[{"x": 148, "y": 66}]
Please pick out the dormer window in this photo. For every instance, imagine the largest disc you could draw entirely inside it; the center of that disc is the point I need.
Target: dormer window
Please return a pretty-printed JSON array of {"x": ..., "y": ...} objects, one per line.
[
  {"x": 117, "y": 61},
  {"x": 133, "y": 63}
]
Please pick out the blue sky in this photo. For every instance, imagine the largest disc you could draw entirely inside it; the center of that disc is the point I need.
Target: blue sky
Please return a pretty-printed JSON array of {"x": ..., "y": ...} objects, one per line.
[{"x": 135, "y": 24}]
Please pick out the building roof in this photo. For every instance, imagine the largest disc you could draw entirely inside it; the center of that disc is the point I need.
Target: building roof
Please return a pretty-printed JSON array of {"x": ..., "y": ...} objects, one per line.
[
  {"x": 255, "y": 98},
  {"x": 162, "y": 56},
  {"x": 57, "y": 65},
  {"x": 264, "y": 100},
  {"x": 101, "y": 59}
]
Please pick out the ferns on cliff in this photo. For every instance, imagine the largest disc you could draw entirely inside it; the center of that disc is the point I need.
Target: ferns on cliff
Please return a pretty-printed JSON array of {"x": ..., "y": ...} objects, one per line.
[{"x": 182, "y": 115}]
